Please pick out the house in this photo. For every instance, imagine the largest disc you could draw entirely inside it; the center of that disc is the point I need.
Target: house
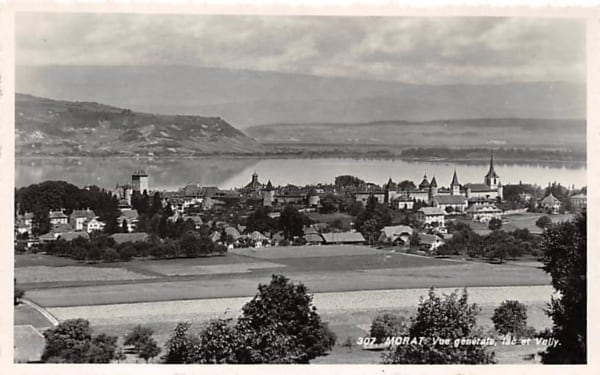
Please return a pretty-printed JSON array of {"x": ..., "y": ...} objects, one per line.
[
  {"x": 47, "y": 237},
  {"x": 430, "y": 242},
  {"x": 94, "y": 225},
  {"x": 61, "y": 228},
  {"x": 233, "y": 232},
  {"x": 363, "y": 196},
  {"x": 450, "y": 203},
  {"x": 579, "y": 201},
  {"x": 24, "y": 223},
  {"x": 130, "y": 216},
  {"x": 433, "y": 216},
  {"x": 57, "y": 217},
  {"x": 403, "y": 203},
  {"x": 396, "y": 234},
  {"x": 550, "y": 203},
  {"x": 313, "y": 238},
  {"x": 79, "y": 218},
  {"x": 343, "y": 238},
  {"x": 256, "y": 236},
  {"x": 70, "y": 236},
  {"x": 130, "y": 237},
  {"x": 484, "y": 212}
]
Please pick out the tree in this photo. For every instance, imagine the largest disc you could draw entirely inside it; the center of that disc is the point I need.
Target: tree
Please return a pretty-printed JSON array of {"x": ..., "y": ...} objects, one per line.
[
  {"x": 564, "y": 247},
  {"x": 281, "y": 325},
  {"x": 387, "y": 325},
  {"x": 137, "y": 337},
  {"x": 495, "y": 224},
  {"x": 450, "y": 318},
  {"x": 181, "y": 347},
  {"x": 72, "y": 342},
  {"x": 291, "y": 222},
  {"x": 149, "y": 350},
  {"x": 543, "y": 222},
  {"x": 510, "y": 318},
  {"x": 218, "y": 342}
]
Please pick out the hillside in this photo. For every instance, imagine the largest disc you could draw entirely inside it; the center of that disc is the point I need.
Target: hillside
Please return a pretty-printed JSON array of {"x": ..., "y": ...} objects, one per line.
[
  {"x": 248, "y": 98},
  {"x": 506, "y": 132},
  {"x": 62, "y": 128}
]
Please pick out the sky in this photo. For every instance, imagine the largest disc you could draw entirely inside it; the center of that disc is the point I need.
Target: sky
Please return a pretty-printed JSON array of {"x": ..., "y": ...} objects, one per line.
[{"x": 413, "y": 50}]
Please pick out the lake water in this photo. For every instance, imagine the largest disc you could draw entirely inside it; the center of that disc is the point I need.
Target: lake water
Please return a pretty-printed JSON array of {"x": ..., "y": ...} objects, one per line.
[{"x": 170, "y": 174}]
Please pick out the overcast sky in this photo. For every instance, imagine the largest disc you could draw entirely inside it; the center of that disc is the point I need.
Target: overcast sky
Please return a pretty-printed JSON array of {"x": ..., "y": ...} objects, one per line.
[{"x": 415, "y": 50}]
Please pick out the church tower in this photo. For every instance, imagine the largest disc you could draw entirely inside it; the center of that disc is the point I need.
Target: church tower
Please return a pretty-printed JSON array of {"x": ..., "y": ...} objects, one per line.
[
  {"x": 491, "y": 178},
  {"x": 268, "y": 194},
  {"x": 433, "y": 189},
  {"x": 454, "y": 185}
]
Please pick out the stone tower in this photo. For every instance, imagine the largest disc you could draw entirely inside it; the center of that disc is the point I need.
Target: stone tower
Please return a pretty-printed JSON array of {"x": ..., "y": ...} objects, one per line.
[
  {"x": 268, "y": 193},
  {"x": 139, "y": 181},
  {"x": 455, "y": 185}
]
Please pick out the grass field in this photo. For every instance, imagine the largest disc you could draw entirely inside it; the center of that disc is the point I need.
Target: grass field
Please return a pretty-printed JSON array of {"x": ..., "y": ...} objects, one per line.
[
  {"x": 516, "y": 221},
  {"x": 43, "y": 274},
  {"x": 305, "y": 251}
]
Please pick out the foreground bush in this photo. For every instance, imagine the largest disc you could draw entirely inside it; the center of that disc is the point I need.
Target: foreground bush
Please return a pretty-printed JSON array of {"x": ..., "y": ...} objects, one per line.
[
  {"x": 387, "y": 325},
  {"x": 72, "y": 342},
  {"x": 510, "y": 318},
  {"x": 279, "y": 325},
  {"x": 450, "y": 318}
]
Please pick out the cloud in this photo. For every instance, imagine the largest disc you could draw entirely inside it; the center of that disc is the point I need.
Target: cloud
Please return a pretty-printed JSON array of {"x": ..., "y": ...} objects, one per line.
[{"x": 417, "y": 50}]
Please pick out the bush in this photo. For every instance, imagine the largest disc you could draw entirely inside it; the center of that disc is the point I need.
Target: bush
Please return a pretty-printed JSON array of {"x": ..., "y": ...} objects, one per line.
[
  {"x": 543, "y": 222},
  {"x": 387, "y": 325},
  {"x": 218, "y": 342},
  {"x": 19, "y": 293},
  {"x": 181, "y": 347},
  {"x": 72, "y": 342},
  {"x": 510, "y": 318},
  {"x": 110, "y": 255},
  {"x": 138, "y": 337},
  {"x": 450, "y": 318}
]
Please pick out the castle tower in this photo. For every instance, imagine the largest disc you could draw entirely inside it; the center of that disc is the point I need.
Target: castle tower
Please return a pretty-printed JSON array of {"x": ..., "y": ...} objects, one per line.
[
  {"x": 388, "y": 187},
  {"x": 455, "y": 185},
  {"x": 491, "y": 178},
  {"x": 268, "y": 193},
  {"x": 254, "y": 178},
  {"x": 433, "y": 189},
  {"x": 139, "y": 181},
  {"x": 424, "y": 184}
]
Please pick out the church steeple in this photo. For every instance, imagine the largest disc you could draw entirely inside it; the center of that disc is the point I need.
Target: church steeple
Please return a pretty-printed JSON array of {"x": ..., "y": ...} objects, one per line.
[
  {"x": 455, "y": 185},
  {"x": 491, "y": 178},
  {"x": 455, "y": 180}
]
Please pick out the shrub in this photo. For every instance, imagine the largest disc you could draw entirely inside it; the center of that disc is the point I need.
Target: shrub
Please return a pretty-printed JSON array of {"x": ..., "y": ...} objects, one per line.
[
  {"x": 450, "y": 318},
  {"x": 387, "y": 325},
  {"x": 510, "y": 318},
  {"x": 218, "y": 342},
  {"x": 181, "y": 347}
]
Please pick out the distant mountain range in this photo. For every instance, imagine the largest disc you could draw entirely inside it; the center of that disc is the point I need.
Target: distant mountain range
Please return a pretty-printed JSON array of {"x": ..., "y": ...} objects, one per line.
[
  {"x": 62, "y": 128},
  {"x": 249, "y": 98},
  {"x": 482, "y": 132}
]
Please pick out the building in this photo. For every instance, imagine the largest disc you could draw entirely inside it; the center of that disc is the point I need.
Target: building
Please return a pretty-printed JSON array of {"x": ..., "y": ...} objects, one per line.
[
  {"x": 139, "y": 181},
  {"x": 396, "y": 234},
  {"x": 491, "y": 189},
  {"x": 433, "y": 216},
  {"x": 550, "y": 203},
  {"x": 268, "y": 194},
  {"x": 129, "y": 237},
  {"x": 130, "y": 217},
  {"x": 430, "y": 242},
  {"x": 57, "y": 217},
  {"x": 403, "y": 203},
  {"x": 24, "y": 223},
  {"x": 94, "y": 225},
  {"x": 579, "y": 201},
  {"x": 484, "y": 212},
  {"x": 363, "y": 196},
  {"x": 79, "y": 218},
  {"x": 343, "y": 238},
  {"x": 451, "y": 203}
]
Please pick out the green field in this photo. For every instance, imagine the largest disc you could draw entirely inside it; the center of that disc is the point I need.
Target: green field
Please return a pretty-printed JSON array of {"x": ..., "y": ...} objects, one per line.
[{"x": 351, "y": 285}]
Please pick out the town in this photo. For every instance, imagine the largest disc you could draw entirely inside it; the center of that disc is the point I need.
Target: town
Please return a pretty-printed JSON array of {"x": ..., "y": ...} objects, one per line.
[{"x": 421, "y": 218}]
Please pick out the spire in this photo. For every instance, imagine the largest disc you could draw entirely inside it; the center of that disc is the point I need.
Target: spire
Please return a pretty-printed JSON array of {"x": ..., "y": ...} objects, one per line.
[
  {"x": 389, "y": 183},
  {"x": 454, "y": 180},
  {"x": 424, "y": 184},
  {"x": 491, "y": 172},
  {"x": 269, "y": 186},
  {"x": 433, "y": 182}
]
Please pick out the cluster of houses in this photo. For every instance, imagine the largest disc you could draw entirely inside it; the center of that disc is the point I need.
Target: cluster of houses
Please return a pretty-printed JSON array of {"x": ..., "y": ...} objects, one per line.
[{"x": 477, "y": 201}]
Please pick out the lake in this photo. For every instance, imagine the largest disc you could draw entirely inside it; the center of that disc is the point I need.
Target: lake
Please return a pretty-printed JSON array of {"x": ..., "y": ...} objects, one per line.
[{"x": 172, "y": 173}]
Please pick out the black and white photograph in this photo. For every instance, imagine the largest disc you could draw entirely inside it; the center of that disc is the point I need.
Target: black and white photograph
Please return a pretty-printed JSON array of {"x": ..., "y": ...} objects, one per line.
[{"x": 194, "y": 188}]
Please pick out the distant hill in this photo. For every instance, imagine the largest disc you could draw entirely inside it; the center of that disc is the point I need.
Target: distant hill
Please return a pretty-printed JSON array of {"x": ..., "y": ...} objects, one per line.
[
  {"x": 62, "y": 128},
  {"x": 247, "y": 98},
  {"x": 483, "y": 132}
]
